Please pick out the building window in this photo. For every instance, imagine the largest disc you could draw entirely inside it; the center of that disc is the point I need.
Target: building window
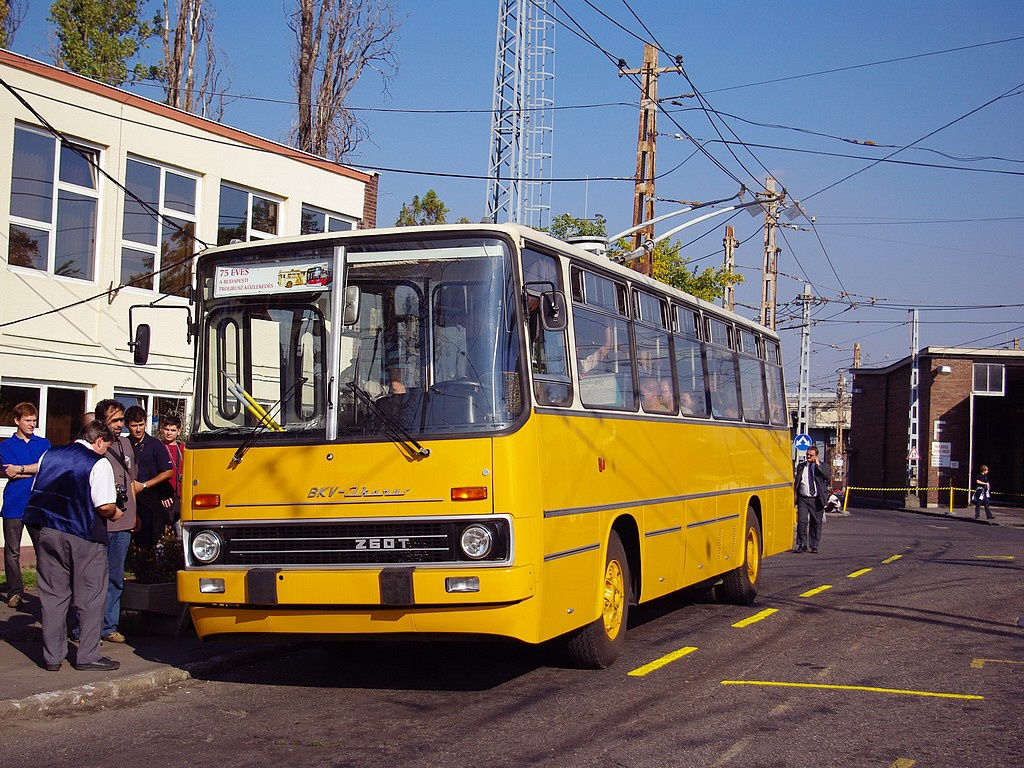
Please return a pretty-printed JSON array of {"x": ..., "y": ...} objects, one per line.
[
  {"x": 316, "y": 220},
  {"x": 156, "y": 250},
  {"x": 245, "y": 216},
  {"x": 989, "y": 379},
  {"x": 155, "y": 406},
  {"x": 61, "y": 409},
  {"x": 54, "y": 202}
]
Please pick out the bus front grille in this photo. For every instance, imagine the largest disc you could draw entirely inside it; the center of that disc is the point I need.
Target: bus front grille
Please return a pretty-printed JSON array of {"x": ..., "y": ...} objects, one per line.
[{"x": 352, "y": 543}]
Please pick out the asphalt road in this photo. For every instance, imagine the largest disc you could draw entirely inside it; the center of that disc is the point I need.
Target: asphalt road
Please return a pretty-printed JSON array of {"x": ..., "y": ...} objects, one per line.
[{"x": 898, "y": 645}]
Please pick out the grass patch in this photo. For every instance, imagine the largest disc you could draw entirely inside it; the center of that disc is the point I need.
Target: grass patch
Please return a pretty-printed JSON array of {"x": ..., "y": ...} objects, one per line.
[{"x": 28, "y": 575}]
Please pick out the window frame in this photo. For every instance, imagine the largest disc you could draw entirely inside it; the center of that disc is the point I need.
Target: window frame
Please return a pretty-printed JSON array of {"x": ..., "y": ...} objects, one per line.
[
  {"x": 988, "y": 391},
  {"x": 329, "y": 216},
  {"x": 58, "y": 186},
  {"x": 156, "y": 250},
  {"x": 251, "y": 195}
]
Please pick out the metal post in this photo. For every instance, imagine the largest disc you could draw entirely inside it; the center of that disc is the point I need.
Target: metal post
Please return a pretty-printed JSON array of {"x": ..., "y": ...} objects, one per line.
[
  {"x": 803, "y": 403},
  {"x": 913, "y": 433}
]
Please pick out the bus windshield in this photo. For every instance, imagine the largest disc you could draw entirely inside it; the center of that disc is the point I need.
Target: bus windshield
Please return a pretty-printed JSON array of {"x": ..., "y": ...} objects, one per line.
[{"x": 434, "y": 349}]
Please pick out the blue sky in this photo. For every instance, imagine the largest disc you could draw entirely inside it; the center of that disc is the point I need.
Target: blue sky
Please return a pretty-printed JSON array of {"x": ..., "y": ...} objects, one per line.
[{"x": 945, "y": 239}]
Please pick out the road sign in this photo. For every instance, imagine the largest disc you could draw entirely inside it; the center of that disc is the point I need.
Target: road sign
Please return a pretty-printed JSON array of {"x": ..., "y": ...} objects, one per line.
[
  {"x": 913, "y": 455},
  {"x": 803, "y": 442}
]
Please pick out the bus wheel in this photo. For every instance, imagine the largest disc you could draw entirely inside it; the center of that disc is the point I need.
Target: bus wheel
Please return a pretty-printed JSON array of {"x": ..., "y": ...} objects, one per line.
[
  {"x": 739, "y": 586},
  {"x": 599, "y": 644}
]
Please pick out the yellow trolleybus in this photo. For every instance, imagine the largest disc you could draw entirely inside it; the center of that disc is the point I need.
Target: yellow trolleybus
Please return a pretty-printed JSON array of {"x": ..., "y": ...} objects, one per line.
[{"x": 475, "y": 430}]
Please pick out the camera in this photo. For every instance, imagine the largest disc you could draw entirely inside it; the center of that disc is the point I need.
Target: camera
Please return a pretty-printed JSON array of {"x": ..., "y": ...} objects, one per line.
[{"x": 122, "y": 496}]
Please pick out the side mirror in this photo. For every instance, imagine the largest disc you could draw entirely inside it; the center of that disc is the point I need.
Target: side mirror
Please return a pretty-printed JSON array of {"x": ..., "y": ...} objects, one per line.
[
  {"x": 554, "y": 315},
  {"x": 351, "y": 312},
  {"x": 140, "y": 346}
]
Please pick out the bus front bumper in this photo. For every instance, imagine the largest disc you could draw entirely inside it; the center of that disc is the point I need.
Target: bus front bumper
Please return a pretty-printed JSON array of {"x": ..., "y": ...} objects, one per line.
[{"x": 395, "y": 600}]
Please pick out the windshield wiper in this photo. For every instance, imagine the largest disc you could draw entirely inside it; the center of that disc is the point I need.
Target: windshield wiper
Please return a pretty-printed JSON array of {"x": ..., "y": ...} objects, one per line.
[
  {"x": 266, "y": 418},
  {"x": 394, "y": 431}
]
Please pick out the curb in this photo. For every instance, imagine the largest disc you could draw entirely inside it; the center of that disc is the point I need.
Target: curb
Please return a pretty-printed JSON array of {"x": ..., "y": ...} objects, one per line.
[
  {"x": 1008, "y": 522},
  {"x": 129, "y": 686}
]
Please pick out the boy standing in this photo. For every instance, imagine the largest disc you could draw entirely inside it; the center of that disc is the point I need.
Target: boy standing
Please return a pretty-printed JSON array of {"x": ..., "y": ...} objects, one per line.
[{"x": 20, "y": 456}]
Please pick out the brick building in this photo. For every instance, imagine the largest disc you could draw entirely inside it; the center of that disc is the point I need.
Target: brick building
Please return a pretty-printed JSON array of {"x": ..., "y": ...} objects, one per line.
[{"x": 970, "y": 412}]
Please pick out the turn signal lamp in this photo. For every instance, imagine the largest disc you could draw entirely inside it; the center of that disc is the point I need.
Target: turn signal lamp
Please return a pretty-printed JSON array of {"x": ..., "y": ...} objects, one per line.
[
  {"x": 470, "y": 493},
  {"x": 205, "y": 500}
]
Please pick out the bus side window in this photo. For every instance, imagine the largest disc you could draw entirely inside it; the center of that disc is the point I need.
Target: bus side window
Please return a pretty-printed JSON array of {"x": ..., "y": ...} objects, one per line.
[
  {"x": 551, "y": 382},
  {"x": 723, "y": 380},
  {"x": 690, "y": 363}
]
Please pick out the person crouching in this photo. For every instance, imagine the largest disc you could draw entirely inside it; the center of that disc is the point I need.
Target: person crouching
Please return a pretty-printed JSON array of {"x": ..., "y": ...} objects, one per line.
[{"x": 71, "y": 499}]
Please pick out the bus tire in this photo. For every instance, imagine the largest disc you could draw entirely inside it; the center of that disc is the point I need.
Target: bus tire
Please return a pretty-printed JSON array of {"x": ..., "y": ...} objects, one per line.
[
  {"x": 598, "y": 645},
  {"x": 739, "y": 586}
]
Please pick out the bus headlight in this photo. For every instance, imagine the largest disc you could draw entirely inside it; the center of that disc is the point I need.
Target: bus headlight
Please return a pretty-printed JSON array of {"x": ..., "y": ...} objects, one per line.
[
  {"x": 206, "y": 547},
  {"x": 476, "y": 542}
]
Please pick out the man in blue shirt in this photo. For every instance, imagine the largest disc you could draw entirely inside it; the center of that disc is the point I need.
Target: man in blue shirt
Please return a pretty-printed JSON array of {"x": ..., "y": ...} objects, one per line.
[{"x": 19, "y": 455}]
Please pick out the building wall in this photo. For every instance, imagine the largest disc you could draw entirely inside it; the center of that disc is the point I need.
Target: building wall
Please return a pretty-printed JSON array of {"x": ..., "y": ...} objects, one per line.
[
  {"x": 878, "y": 429},
  {"x": 979, "y": 428},
  {"x": 945, "y": 398}
]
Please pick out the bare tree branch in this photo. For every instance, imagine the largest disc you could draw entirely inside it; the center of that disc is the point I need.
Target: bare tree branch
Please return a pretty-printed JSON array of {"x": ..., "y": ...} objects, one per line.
[
  {"x": 337, "y": 41},
  {"x": 188, "y": 48}
]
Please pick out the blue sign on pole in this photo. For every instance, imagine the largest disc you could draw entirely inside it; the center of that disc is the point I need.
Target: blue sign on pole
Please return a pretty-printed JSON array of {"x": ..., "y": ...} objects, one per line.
[{"x": 803, "y": 442}]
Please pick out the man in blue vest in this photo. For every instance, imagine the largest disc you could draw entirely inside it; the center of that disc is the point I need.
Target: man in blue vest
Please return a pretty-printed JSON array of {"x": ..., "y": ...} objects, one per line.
[{"x": 72, "y": 498}]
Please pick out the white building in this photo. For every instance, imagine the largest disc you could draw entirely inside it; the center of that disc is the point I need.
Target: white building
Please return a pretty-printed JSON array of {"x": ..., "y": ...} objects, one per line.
[{"x": 72, "y": 233}]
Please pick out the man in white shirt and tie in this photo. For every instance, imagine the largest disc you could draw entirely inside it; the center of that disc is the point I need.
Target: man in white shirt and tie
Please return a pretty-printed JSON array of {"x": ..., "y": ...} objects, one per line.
[{"x": 810, "y": 487}]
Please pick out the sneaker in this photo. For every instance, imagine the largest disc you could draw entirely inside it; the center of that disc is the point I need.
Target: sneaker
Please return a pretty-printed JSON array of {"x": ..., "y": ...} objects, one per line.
[
  {"x": 15, "y": 601},
  {"x": 114, "y": 637}
]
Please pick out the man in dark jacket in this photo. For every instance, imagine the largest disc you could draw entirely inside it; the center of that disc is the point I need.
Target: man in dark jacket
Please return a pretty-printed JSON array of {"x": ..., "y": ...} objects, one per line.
[
  {"x": 810, "y": 488},
  {"x": 71, "y": 500}
]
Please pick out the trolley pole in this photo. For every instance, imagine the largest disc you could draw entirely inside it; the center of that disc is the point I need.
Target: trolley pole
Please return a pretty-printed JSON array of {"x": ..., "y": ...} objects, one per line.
[
  {"x": 643, "y": 193},
  {"x": 730, "y": 243}
]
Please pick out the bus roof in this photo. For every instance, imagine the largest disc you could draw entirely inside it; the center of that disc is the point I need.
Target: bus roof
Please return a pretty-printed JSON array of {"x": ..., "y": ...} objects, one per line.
[{"x": 518, "y": 233}]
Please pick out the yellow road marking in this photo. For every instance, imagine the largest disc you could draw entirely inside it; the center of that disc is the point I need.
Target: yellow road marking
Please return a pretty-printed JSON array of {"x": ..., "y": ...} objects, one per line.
[
  {"x": 892, "y": 559},
  {"x": 904, "y": 762},
  {"x": 979, "y": 663},
  {"x": 870, "y": 689},
  {"x": 668, "y": 658},
  {"x": 855, "y": 574},
  {"x": 993, "y": 557},
  {"x": 756, "y": 617},
  {"x": 816, "y": 590}
]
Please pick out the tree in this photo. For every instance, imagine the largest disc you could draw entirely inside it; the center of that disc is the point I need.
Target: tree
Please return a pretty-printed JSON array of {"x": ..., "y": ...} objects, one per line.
[
  {"x": 12, "y": 12},
  {"x": 97, "y": 38},
  {"x": 189, "y": 49},
  {"x": 337, "y": 41},
  {"x": 565, "y": 226},
  {"x": 669, "y": 265},
  {"x": 430, "y": 210}
]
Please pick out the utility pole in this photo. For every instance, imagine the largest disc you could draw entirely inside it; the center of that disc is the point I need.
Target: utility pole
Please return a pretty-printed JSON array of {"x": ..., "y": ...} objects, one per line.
[
  {"x": 770, "y": 269},
  {"x": 803, "y": 402},
  {"x": 730, "y": 243},
  {"x": 856, "y": 354},
  {"x": 839, "y": 457},
  {"x": 643, "y": 194},
  {"x": 913, "y": 431}
]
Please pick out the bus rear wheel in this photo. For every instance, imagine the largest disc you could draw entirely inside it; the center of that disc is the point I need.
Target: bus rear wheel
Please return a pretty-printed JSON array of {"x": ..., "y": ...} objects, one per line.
[
  {"x": 598, "y": 645},
  {"x": 739, "y": 586}
]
